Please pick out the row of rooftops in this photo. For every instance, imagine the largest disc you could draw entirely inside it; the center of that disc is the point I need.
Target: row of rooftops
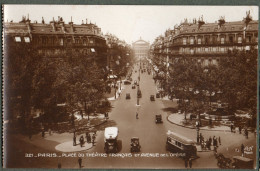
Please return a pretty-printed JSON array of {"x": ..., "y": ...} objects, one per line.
[
  {"x": 200, "y": 27},
  {"x": 54, "y": 27}
]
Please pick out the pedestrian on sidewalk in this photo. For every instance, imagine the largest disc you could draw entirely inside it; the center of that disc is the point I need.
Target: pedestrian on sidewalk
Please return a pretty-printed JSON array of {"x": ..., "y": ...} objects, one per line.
[
  {"x": 81, "y": 141},
  {"x": 190, "y": 163},
  {"x": 219, "y": 140},
  {"x": 74, "y": 140},
  {"x": 242, "y": 150},
  {"x": 136, "y": 116},
  {"x": 240, "y": 129},
  {"x": 246, "y": 133},
  {"x": 59, "y": 165},
  {"x": 43, "y": 133},
  {"x": 93, "y": 139},
  {"x": 80, "y": 162},
  {"x": 210, "y": 141},
  {"x": 186, "y": 163},
  {"x": 49, "y": 131}
]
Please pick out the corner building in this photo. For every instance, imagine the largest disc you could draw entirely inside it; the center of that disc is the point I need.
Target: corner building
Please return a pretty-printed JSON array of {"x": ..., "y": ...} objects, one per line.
[{"x": 206, "y": 43}]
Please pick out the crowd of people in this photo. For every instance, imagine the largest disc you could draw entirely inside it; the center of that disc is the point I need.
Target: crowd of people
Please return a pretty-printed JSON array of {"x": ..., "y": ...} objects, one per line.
[
  {"x": 207, "y": 143},
  {"x": 88, "y": 138}
]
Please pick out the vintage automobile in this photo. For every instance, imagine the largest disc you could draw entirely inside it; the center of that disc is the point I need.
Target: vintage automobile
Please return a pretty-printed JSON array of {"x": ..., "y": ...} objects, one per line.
[
  {"x": 135, "y": 145},
  {"x": 158, "y": 119},
  {"x": 127, "y": 96},
  {"x": 111, "y": 144},
  {"x": 133, "y": 86},
  {"x": 240, "y": 162},
  {"x": 127, "y": 82},
  {"x": 177, "y": 143},
  {"x": 139, "y": 94},
  {"x": 152, "y": 98}
]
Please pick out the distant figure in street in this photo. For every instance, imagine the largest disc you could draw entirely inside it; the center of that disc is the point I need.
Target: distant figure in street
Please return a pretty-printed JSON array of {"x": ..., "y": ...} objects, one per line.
[
  {"x": 136, "y": 116},
  {"x": 190, "y": 162},
  {"x": 49, "y": 131},
  {"x": 219, "y": 140},
  {"x": 93, "y": 139},
  {"x": 74, "y": 141},
  {"x": 81, "y": 113},
  {"x": 30, "y": 135},
  {"x": 231, "y": 127},
  {"x": 88, "y": 138},
  {"x": 186, "y": 163},
  {"x": 242, "y": 149},
  {"x": 81, "y": 141},
  {"x": 240, "y": 129},
  {"x": 43, "y": 133},
  {"x": 210, "y": 141},
  {"x": 80, "y": 162},
  {"x": 246, "y": 133}
]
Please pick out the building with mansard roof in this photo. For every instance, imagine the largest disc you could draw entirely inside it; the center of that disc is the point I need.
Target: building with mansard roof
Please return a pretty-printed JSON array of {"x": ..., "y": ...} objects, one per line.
[
  {"x": 205, "y": 42},
  {"x": 56, "y": 38}
]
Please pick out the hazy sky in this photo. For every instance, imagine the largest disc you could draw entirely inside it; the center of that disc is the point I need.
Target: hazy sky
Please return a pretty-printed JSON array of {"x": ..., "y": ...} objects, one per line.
[{"x": 129, "y": 22}]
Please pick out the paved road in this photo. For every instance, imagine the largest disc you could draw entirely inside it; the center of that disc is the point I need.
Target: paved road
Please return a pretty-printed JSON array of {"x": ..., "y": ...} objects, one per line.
[{"x": 152, "y": 136}]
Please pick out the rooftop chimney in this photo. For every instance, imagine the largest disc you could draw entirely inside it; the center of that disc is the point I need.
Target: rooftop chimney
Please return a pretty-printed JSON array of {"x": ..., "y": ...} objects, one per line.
[
  {"x": 221, "y": 22},
  {"x": 200, "y": 22},
  {"x": 248, "y": 18}
]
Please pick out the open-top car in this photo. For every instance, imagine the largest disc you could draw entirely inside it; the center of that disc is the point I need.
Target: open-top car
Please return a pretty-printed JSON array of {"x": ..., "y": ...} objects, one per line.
[{"x": 135, "y": 145}]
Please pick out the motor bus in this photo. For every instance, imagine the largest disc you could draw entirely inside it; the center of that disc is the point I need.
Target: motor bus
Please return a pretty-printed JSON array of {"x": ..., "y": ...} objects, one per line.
[{"x": 177, "y": 143}]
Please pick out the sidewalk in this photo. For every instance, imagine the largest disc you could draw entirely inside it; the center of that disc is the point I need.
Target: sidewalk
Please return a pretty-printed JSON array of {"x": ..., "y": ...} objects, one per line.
[
  {"x": 179, "y": 119},
  {"x": 117, "y": 94}
]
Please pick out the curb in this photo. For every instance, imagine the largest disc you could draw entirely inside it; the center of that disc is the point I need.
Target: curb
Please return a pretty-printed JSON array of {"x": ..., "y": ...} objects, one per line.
[{"x": 195, "y": 128}]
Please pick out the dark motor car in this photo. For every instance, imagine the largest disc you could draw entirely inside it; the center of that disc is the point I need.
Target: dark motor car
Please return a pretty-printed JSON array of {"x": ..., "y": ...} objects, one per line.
[
  {"x": 135, "y": 145},
  {"x": 158, "y": 119},
  {"x": 127, "y": 96}
]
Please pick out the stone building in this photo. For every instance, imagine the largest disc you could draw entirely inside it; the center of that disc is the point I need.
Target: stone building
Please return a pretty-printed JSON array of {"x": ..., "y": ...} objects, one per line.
[
  {"x": 205, "y": 42},
  {"x": 57, "y": 38},
  {"x": 141, "y": 49}
]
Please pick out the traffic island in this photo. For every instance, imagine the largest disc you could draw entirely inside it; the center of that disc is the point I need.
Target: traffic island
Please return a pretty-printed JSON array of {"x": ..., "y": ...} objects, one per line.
[
  {"x": 179, "y": 119},
  {"x": 68, "y": 147}
]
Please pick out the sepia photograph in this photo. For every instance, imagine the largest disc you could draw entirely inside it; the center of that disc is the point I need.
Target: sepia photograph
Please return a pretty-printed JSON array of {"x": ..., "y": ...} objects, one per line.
[{"x": 130, "y": 86}]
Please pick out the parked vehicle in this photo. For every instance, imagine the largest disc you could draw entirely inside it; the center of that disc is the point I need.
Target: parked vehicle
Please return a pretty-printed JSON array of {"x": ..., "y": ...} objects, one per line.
[
  {"x": 152, "y": 98},
  {"x": 127, "y": 96},
  {"x": 111, "y": 144},
  {"x": 179, "y": 144},
  {"x": 242, "y": 163},
  {"x": 158, "y": 119},
  {"x": 135, "y": 145},
  {"x": 127, "y": 82}
]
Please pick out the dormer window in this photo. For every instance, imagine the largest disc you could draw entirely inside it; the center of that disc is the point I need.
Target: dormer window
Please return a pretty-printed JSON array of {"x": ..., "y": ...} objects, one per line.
[
  {"x": 26, "y": 39},
  {"x": 18, "y": 39}
]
